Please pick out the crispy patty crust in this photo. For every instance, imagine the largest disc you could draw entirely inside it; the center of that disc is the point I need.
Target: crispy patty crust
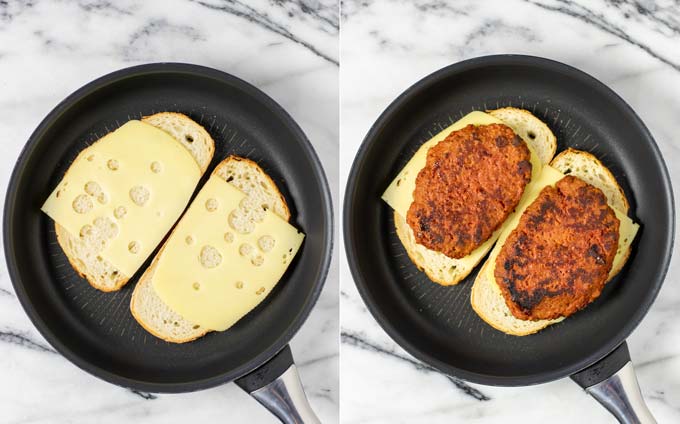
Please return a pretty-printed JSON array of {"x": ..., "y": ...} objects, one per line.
[
  {"x": 471, "y": 182},
  {"x": 557, "y": 260}
]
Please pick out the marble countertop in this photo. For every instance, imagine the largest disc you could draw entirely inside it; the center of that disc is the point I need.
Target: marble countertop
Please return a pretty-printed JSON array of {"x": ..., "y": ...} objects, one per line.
[
  {"x": 49, "y": 49},
  {"x": 632, "y": 46}
]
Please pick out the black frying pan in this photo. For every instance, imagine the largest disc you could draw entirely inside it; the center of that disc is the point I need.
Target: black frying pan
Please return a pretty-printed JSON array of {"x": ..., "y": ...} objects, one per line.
[
  {"x": 437, "y": 324},
  {"x": 95, "y": 330}
]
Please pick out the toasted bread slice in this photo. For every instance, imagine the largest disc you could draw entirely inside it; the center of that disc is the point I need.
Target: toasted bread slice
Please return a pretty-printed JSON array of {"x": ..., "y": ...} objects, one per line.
[
  {"x": 147, "y": 308},
  {"x": 486, "y": 297},
  {"x": 84, "y": 254},
  {"x": 449, "y": 271}
]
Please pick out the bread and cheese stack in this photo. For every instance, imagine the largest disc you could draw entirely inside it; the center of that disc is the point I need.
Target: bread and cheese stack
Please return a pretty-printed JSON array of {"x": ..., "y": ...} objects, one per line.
[
  {"x": 122, "y": 195},
  {"x": 440, "y": 268},
  {"x": 222, "y": 259},
  {"x": 512, "y": 313}
]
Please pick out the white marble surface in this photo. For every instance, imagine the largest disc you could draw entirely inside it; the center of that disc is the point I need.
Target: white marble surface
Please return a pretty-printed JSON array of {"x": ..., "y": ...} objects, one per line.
[
  {"x": 50, "y": 48},
  {"x": 388, "y": 45}
]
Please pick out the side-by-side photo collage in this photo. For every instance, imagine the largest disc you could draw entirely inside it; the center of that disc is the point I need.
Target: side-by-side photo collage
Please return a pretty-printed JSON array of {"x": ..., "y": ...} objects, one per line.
[{"x": 339, "y": 211}]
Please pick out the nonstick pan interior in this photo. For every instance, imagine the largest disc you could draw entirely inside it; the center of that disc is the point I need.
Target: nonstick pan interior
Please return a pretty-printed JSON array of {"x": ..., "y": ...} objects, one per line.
[
  {"x": 437, "y": 324},
  {"x": 95, "y": 330}
]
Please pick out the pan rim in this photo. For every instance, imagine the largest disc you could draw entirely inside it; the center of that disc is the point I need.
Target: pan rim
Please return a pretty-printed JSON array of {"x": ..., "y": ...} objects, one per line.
[
  {"x": 195, "y": 71},
  {"x": 369, "y": 140}
]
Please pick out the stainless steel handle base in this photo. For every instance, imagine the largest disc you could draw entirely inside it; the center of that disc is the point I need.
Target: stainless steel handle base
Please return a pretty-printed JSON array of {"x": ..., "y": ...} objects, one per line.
[
  {"x": 285, "y": 398},
  {"x": 621, "y": 395}
]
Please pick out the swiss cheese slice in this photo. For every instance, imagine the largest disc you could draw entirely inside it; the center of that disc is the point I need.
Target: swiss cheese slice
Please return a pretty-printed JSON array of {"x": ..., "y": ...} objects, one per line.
[
  {"x": 211, "y": 274},
  {"x": 134, "y": 182},
  {"x": 549, "y": 176},
  {"x": 399, "y": 194}
]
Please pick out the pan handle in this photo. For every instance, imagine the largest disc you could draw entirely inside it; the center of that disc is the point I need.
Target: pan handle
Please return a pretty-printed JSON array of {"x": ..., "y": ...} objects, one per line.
[
  {"x": 277, "y": 386},
  {"x": 612, "y": 382}
]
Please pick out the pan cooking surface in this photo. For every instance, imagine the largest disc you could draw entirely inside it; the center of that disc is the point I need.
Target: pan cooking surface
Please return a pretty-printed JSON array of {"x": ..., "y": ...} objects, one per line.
[
  {"x": 96, "y": 330},
  {"x": 436, "y": 323}
]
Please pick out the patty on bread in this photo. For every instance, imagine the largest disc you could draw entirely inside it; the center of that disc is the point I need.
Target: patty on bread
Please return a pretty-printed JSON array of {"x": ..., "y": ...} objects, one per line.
[
  {"x": 557, "y": 260},
  {"x": 471, "y": 182}
]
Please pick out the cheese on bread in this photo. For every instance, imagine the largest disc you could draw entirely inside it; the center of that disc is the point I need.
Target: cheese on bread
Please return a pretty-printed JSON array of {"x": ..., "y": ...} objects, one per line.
[
  {"x": 146, "y": 306},
  {"x": 119, "y": 198}
]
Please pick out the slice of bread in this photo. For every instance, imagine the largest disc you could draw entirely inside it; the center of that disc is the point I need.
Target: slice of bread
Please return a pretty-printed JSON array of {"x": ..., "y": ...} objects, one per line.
[
  {"x": 486, "y": 297},
  {"x": 534, "y": 131},
  {"x": 449, "y": 271},
  {"x": 261, "y": 192},
  {"x": 83, "y": 254}
]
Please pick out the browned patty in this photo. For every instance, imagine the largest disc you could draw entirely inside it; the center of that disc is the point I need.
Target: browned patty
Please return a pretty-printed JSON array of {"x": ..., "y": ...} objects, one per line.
[
  {"x": 557, "y": 260},
  {"x": 471, "y": 182}
]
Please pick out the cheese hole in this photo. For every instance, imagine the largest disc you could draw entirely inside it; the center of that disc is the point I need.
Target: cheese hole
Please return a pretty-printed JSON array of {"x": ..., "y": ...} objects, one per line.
[
  {"x": 86, "y": 230},
  {"x": 58, "y": 193},
  {"x": 260, "y": 291},
  {"x": 245, "y": 249},
  {"x": 196, "y": 286},
  {"x": 239, "y": 284},
  {"x": 99, "y": 259},
  {"x": 139, "y": 195},
  {"x": 90, "y": 158},
  {"x": 92, "y": 188},
  {"x": 82, "y": 204},
  {"x": 211, "y": 205},
  {"x": 196, "y": 327},
  {"x": 210, "y": 257},
  {"x": 257, "y": 260},
  {"x": 156, "y": 167},
  {"x": 112, "y": 164},
  {"x": 133, "y": 247},
  {"x": 189, "y": 138},
  {"x": 189, "y": 240},
  {"x": 266, "y": 243},
  {"x": 228, "y": 237},
  {"x": 240, "y": 223},
  {"x": 106, "y": 227},
  {"x": 119, "y": 212},
  {"x": 103, "y": 198},
  {"x": 531, "y": 134}
]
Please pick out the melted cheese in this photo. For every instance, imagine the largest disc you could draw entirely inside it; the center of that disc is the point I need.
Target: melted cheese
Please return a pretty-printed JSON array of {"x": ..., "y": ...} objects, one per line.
[
  {"x": 211, "y": 274},
  {"x": 138, "y": 179},
  {"x": 549, "y": 176}
]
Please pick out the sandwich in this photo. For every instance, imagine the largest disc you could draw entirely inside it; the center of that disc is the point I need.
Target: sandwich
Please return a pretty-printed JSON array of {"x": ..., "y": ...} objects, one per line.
[
  {"x": 453, "y": 197},
  {"x": 121, "y": 195},
  {"x": 569, "y": 237},
  {"x": 223, "y": 258}
]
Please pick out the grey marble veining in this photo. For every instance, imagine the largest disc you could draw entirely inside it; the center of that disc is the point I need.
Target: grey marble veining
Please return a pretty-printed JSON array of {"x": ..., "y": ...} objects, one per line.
[
  {"x": 48, "y": 49},
  {"x": 633, "y": 47}
]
